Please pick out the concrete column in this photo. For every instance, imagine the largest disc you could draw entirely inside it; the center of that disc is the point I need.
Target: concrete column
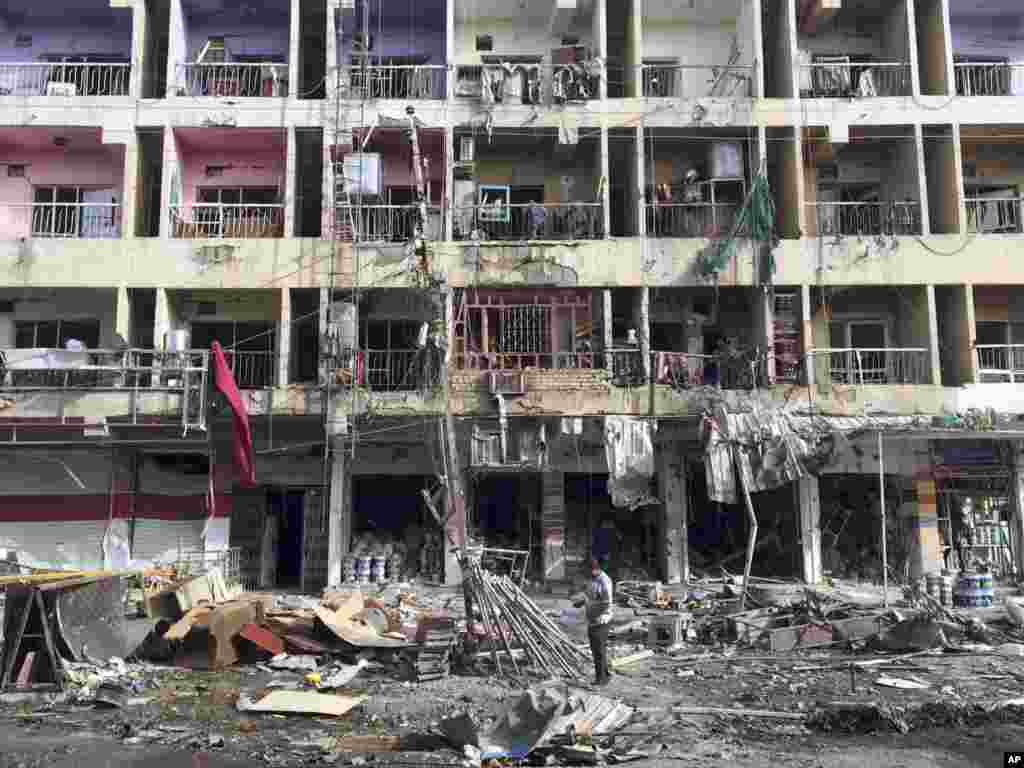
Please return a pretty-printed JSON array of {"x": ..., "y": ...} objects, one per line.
[
  {"x": 971, "y": 334},
  {"x": 449, "y": 177},
  {"x": 606, "y": 208},
  {"x": 912, "y": 52},
  {"x": 331, "y": 48},
  {"x": 553, "y": 524},
  {"x": 947, "y": 32},
  {"x": 645, "y": 329},
  {"x": 177, "y": 48},
  {"x": 809, "y": 504},
  {"x": 933, "y": 337},
  {"x": 1017, "y": 508},
  {"x": 674, "y": 551},
  {"x": 339, "y": 521},
  {"x": 140, "y": 33},
  {"x": 123, "y": 314},
  {"x": 321, "y": 327},
  {"x": 608, "y": 338},
  {"x": 758, "y": 43},
  {"x": 284, "y": 338},
  {"x": 170, "y": 189},
  {"x": 807, "y": 333},
  {"x": 291, "y": 171},
  {"x": 601, "y": 39},
  {"x": 641, "y": 181},
  {"x": 131, "y": 204},
  {"x": 925, "y": 545},
  {"x": 294, "y": 63},
  {"x": 958, "y": 172},
  {"x": 922, "y": 181},
  {"x": 161, "y": 325},
  {"x": 634, "y": 73},
  {"x": 449, "y": 51}
]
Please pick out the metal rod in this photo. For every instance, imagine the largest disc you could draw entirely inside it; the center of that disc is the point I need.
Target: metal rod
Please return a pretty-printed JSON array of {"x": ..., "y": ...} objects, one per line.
[{"x": 881, "y": 501}]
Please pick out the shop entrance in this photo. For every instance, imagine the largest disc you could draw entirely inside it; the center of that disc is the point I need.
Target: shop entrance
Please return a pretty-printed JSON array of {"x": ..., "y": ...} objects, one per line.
[
  {"x": 285, "y": 512},
  {"x": 390, "y": 519}
]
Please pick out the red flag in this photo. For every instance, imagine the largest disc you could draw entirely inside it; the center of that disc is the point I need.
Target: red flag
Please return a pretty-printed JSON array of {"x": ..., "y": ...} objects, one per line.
[{"x": 224, "y": 381}]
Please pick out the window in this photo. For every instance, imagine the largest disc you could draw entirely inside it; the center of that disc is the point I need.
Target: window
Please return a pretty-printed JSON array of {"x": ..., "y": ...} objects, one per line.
[
  {"x": 54, "y": 334},
  {"x": 74, "y": 212}
]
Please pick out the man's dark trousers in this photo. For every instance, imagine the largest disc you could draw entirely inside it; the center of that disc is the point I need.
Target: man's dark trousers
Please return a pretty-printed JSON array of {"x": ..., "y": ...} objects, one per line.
[{"x": 598, "y": 634}]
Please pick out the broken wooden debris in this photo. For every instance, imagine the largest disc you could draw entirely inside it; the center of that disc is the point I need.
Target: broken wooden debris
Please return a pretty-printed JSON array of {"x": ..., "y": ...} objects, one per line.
[
  {"x": 633, "y": 658},
  {"x": 262, "y": 638}
]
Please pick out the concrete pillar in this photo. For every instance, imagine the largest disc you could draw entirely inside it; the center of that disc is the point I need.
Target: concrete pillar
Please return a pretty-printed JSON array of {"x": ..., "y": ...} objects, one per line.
[
  {"x": 331, "y": 49},
  {"x": 807, "y": 333},
  {"x": 291, "y": 174},
  {"x": 123, "y": 314},
  {"x": 294, "y": 54},
  {"x": 641, "y": 181},
  {"x": 606, "y": 207},
  {"x": 131, "y": 203},
  {"x": 912, "y": 52},
  {"x": 947, "y": 33},
  {"x": 284, "y": 339},
  {"x": 809, "y": 504},
  {"x": 339, "y": 520},
  {"x": 634, "y": 72},
  {"x": 170, "y": 189},
  {"x": 608, "y": 337},
  {"x": 553, "y": 525},
  {"x": 674, "y": 551},
  {"x": 645, "y": 329},
  {"x": 1017, "y": 508},
  {"x": 759, "y": 47},
  {"x": 970, "y": 334},
  {"x": 321, "y": 327},
  {"x": 922, "y": 180},
  {"x": 161, "y": 317},
  {"x": 449, "y": 177},
  {"x": 140, "y": 33},
  {"x": 958, "y": 173},
  {"x": 925, "y": 545},
  {"x": 933, "y": 337},
  {"x": 177, "y": 47},
  {"x": 449, "y": 50},
  {"x": 601, "y": 40}
]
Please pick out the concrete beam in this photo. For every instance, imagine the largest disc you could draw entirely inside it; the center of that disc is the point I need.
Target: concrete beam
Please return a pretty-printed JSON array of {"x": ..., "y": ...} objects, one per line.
[
  {"x": 674, "y": 554},
  {"x": 809, "y": 504},
  {"x": 339, "y": 521},
  {"x": 933, "y": 337}
]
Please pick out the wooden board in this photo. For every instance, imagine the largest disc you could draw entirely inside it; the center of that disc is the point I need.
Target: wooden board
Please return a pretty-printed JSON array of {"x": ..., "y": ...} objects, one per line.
[{"x": 305, "y": 703}]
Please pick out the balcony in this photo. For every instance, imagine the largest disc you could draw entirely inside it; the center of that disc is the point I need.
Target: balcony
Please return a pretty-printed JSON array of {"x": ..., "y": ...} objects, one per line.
[
  {"x": 690, "y": 219},
  {"x": 693, "y": 81},
  {"x": 1000, "y": 363},
  {"x": 267, "y": 79},
  {"x": 388, "y": 370},
  {"x": 529, "y": 221},
  {"x": 994, "y": 215},
  {"x": 513, "y": 83},
  {"x": 867, "y": 219},
  {"x": 405, "y": 82},
  {"x": 64, "y": 79},
  {"x": 521, "y": 361},
  {"x": 227, "y": 220},
  {"x": 857, "y": 366},
  {"x": 989, "y": 78},
  {"x": 383, "y": 223},
  {"x": 253, "y": 370},
  {"x": 84, "y": 221},
  {"x": 843, "y": 80}
]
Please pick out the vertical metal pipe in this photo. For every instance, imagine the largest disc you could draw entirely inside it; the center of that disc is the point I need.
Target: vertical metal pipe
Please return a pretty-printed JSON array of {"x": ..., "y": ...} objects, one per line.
[{"x": 881, "y": 501}]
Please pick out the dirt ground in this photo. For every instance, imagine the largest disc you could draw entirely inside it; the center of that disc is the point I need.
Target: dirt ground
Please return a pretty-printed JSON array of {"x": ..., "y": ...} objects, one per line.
[{"x": 190, "y": 719}]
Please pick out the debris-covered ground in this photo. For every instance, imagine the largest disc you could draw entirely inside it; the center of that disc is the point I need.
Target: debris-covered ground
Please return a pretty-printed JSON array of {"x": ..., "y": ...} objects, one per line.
[{"x": 918, "y": 685}]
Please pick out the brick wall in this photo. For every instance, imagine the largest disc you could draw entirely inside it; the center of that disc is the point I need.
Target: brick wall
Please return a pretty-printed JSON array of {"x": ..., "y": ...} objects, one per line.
[{"x": 568, "y": 379}]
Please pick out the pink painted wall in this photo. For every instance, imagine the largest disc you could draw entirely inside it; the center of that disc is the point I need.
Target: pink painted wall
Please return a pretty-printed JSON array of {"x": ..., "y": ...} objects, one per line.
[
  {"x": 110, "y": 33},
  {"x": 101, "y": 167},
  {"x": 251, "y": 168},
  {"x": 397, "y": 156},
  {"x": 268, "y": 36}
]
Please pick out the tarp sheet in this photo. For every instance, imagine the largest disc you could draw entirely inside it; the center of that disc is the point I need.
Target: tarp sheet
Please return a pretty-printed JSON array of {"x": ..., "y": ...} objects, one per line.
[{"x": 629, "y": 449}]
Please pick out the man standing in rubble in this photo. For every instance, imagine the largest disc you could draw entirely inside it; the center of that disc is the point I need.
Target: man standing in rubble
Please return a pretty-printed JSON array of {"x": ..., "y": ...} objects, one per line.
[{"x": 598, "y": 601}]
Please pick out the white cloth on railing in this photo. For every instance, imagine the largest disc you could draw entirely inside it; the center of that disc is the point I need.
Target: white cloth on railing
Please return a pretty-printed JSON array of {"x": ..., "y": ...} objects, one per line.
[{"x": 36, "y": 359}]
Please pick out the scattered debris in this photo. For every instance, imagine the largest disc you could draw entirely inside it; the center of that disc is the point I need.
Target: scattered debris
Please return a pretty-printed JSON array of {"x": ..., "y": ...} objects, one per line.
[{"x": 301, "y": 703}]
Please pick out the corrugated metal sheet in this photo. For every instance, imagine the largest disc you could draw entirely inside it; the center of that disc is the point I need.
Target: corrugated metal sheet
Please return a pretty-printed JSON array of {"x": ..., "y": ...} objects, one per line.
[
  {"x": 163, "y": 539},
  {"x": 67, "y": 544}
]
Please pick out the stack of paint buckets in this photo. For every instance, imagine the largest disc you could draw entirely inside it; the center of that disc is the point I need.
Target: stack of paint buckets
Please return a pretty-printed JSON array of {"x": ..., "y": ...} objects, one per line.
[
  {"x": 395, "y": 563},
  {"x": 378, "y": 569},
  {"x": 349, "y": 566},
  {"x": 974, "y": 590},
  {"x": 364, "y": 567}
]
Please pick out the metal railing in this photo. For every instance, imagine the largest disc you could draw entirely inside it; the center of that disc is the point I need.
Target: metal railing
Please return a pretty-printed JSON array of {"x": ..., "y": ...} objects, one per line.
[
  {"x": 994, "y": 215},
  {"x": 1000, "y": 362},
  {"x": 887, "y": 218},
  {"x": 387, "y": 370},
  {"x": 682, "y": 369},
  {"x": 68, "y": 80},
  {"x": 675, "y": 81},
  {"x": 989, "y": 79},
  {"x": 529, "y": 83},
  {"x": 86, "y": 221},
  {"x": 196, "y": 562},
  {"x": 835, "y": 80},
  {"x": 690, "y": 219},
  {"x": 529, "y": 221},
  {"x": 379, "y": 223},
  {"x": 874, "y": 366},
  {"x": 253, "y": 370},
  {"x": 233, "y": 80},
  {"x": 224, "y": 220},
  {"x": 385, "y": 81}
]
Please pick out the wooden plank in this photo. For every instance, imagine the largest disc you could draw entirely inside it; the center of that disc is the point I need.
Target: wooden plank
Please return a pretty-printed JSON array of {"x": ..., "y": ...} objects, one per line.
[
  {"x": 368, "y": 744},
  {"x": 759, "y": 713},
  {"x": 305, "y": 703},
  {"x": 623, "y": 661}
]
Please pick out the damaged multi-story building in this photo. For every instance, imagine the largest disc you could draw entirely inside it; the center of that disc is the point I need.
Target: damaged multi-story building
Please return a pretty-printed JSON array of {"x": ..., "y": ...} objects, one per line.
[{"x": 531, "y": 244}]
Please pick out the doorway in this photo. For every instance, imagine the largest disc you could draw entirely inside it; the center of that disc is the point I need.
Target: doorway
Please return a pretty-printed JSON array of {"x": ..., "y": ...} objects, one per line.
[{"x": 287, "y": 508}]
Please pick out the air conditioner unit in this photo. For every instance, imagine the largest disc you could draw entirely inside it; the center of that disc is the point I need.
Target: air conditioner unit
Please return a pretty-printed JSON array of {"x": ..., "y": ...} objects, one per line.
[{"x": 507, "y": 382}]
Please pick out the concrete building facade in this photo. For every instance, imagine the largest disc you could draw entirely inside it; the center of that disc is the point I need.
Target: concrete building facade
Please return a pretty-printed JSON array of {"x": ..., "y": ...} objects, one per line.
[{"x": 535, "y": 220}]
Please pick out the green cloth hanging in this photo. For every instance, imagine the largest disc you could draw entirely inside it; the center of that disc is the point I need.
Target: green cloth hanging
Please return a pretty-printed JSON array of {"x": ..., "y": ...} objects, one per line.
[{"x": 757, "y": 217}]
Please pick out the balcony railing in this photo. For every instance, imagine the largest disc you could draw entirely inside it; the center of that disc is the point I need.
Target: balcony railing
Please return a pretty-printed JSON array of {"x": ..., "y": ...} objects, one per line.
[
  {"x": 874, "y": 366},
  {"x": 989, "y": 79},
  {"x": 529, "y": 83},
  {"x": 41, "y": 79},
  {"x": 889, "y": 218},
  {"x": 530, "y": 221},
  {"x": 233, "y": 80},
  {"x": 419, "y": 81},
  {"x": 223, "y": 220},
  {"x": 253, "y": 370},
  {"x": 839, "y": 80},
  {"x": 388, "y": 370},
  {"x": 690, "y": 219},
  {"x": 989, "y": 215},
  {"x": 684, "y": 81},
  {"x": 86, "y": 221},
  {"x": 1000, "y": 362},
  {"x": 682, "y": 369},
  {"x": 382, "y": 223}
]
